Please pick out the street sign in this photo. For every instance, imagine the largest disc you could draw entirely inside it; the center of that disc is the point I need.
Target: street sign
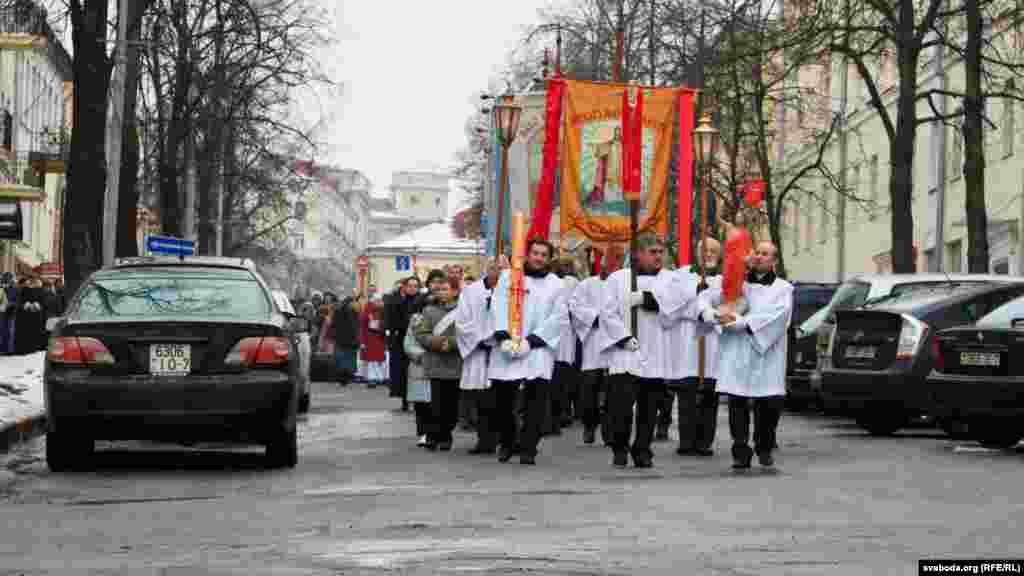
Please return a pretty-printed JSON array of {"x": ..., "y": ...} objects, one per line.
[
  {"x": 403, "y": 263},
  {"x": 170, "y": 245}
]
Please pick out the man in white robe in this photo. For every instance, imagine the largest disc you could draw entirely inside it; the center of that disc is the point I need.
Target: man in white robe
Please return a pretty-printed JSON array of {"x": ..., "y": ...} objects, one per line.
[
  {"x": 528, "y": 363},
  {"x": 697, "y": 405},
  {"x": 564, "y": 381},
  {"x": 639, "y": 358},
  {"x": 474, "y": 329},
  {"x": 752, "y": 367},
  {"x": 585, "y": 310}
]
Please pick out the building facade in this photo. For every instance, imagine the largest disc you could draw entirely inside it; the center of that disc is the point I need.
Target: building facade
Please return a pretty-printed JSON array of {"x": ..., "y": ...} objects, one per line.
[
  {"x": 833, "y": 236},
  {"x": 414, "y": 199},
  {"x": 420, "y": 251},
  {"x": 35, "y": 133}
]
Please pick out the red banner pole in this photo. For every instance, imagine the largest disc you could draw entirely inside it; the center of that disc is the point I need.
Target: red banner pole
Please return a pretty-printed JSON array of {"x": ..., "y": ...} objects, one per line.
[
  {"x": 684, "y": 185},
  {"x": 540, "y": 223}
]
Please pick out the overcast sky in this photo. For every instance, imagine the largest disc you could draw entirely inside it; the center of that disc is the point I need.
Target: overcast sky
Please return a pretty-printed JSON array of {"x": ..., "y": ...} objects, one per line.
[{"x": 410, "y": 69}]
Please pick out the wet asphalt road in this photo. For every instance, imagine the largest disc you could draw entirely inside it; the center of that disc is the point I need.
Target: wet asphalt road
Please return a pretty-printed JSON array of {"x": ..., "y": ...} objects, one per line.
[{"x": 365, "y": 500}]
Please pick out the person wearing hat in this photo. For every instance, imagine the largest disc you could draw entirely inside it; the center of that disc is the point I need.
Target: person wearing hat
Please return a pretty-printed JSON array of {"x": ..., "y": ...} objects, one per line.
[{"x": 639, "y": 357}]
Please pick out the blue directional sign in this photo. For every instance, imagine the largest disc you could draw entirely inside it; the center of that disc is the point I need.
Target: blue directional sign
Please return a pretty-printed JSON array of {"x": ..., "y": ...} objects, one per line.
[
  {"x": 403, "y": 263},
  {"x": 170, "y": 245}
]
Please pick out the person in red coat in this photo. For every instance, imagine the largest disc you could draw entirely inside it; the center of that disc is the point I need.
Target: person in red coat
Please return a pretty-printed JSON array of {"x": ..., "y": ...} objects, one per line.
[{"x": 373, "y": 341}]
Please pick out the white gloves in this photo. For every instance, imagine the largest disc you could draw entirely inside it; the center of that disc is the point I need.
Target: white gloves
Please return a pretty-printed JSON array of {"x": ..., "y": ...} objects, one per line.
[
  {"x": 509, "y": 347},
  {"x": 632, "y": 344},
  {"x": 739, "y": 325},
  {"x": 636, "y": 299},
  {"x": 709, "y": 316}
]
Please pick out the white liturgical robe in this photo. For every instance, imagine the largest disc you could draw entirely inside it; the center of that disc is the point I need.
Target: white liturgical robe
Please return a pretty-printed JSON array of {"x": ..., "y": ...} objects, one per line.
[
  {"x": 585, "y": 307},
  {"x": 672, "y": 292},
  {"x": 544, "y": 314},
  {"x": 753, "y": 363},
  {"x": 567, "y": 341},
  {"x": 473, "y": 325},
  {"x": 686, "y": 361}
]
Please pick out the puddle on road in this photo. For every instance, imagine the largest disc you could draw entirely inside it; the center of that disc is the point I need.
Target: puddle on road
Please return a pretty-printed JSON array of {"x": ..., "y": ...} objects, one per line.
[{"x": 456, "y": 554}]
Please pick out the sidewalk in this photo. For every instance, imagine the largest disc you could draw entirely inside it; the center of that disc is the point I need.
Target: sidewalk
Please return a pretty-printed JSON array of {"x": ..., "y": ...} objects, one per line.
[{"x": 22, "y": 408}]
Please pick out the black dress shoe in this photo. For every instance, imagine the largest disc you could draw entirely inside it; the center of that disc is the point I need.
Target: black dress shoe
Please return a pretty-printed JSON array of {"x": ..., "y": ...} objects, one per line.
[
  {"x": 444, "y": 446},
  {"x": 588, "y": 436},
  {"x": 431, "y": 445},
  {"x": 766, "y": 459},
  {"x": 505, "y": 454},
  {"x": 643, "y": 462},
  {"x": 527, "y": 460},
  {"x": 482, "y": 450},
  {"x": 620, "y": 460},
  {"x": 740, "y": 464},
  {"x": 684, "y": 451},
  {"x": 705, "y": 452},
  {"x": 662, "y": 433}
]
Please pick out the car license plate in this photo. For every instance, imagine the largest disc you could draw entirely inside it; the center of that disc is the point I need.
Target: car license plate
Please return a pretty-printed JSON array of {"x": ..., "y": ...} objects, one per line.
[
  {"x": 862, "y": 352},
  {"x": 170, "y": 359},
  {"x": 979, "y": 359}
]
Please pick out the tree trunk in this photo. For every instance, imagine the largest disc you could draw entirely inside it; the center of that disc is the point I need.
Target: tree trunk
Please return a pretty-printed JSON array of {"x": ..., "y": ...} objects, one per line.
[
  {"x": 128, "y": 195},
  {"x": 171, "y": 203},
  {"x": 86, "y": 172},
  {"x": 974, "y": 148},
  {"x": 901, "y": 184}
]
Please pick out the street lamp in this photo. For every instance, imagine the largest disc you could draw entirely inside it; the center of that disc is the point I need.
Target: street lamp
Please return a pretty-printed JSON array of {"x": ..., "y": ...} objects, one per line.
[
  {"x": 506, "y": 122},
  {"x": 705, "y": 140}
]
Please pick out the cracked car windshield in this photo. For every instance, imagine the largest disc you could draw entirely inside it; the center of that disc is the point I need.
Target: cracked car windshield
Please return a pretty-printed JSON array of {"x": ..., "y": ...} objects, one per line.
[{"x": 191, "y": 295}]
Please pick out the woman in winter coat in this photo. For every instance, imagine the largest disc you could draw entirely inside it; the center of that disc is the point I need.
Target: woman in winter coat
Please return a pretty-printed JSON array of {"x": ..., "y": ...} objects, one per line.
[
  {"x": 442, "y": 363},
  {"x": 345, "y": 328},
  {"x": 30, "y": 323},
  {"x": 374, "y": 343}
]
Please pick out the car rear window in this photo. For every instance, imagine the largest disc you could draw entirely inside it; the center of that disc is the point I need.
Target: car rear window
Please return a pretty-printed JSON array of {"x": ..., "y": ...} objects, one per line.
[
  {"x": 178, "y": 294},
  {"x": 920, "y": 293},
  {"x": 1003, "y": 316}
]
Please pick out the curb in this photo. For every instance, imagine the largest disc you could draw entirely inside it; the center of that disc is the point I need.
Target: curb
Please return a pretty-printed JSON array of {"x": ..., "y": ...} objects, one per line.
[{"x": 22, "y": 431}]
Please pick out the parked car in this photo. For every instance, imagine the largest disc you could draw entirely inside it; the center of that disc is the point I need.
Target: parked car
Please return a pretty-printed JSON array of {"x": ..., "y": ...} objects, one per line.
[
  {"x": 882, "y": 354},
  {"x": 977, "y": 376},
  {"x": 808, "y": 298},
  {"x": 172, "y": 349},
  {"x": 862, "y": 288},
  {"x": 302, "y": 344}
]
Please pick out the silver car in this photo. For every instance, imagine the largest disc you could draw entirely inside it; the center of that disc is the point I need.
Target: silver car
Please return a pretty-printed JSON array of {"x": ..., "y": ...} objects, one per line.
[{"x": 304, "y": 346}]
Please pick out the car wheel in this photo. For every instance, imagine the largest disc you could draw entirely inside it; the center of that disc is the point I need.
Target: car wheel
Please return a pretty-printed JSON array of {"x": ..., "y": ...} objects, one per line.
[
  {"x": 66, "y": 452},
  {"x": 796, "y": 404},
  {"x": 283, "y": 451},
  {"x": 882, "y": 423},
  {"x": 998, "y": 434},
  {"x": 304, "y": 402}
]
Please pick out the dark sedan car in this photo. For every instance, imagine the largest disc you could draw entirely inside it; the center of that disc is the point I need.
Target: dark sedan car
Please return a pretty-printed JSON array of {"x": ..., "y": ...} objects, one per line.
[
  {"x": 808, "y": 298},
  {"x": 978, "y": 378},
  {"x": 882, "y": 353},
  {"x": 172, "y": 349}
]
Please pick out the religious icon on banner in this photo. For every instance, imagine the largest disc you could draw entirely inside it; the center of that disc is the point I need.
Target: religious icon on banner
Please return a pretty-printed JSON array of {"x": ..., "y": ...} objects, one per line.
[{"x": 601, "y": 168}]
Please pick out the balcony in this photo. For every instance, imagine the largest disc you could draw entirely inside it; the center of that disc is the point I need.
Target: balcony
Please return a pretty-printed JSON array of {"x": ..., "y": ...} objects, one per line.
[
  {"x": 24, "y": 26},
  {"x": 19, "y": 179},
  {"x": 50, "y": 154}
]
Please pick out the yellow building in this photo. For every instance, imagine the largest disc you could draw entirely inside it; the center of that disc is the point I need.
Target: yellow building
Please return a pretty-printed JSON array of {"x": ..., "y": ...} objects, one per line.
[
  {"x": 420, "y": 251},
  {"x": 35, "y": 131}
]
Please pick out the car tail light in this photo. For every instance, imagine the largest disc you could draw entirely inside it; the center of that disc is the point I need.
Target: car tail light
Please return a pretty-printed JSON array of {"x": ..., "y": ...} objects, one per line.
[
  {"x": 265, "y": 351},
  {"x": 912, "y": 334},
  {"x": 78, "y": 350},
  {"x": 940, "y": 363}
]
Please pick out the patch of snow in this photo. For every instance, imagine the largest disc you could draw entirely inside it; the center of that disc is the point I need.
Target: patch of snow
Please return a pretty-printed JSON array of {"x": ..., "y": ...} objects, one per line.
[{"x": 21, "y": 388}]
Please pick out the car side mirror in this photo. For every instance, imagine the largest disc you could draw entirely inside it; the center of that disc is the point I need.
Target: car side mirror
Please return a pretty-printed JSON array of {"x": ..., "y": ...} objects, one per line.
[
  {"x": 1016, "y": 322},
  {"x": 51, "y": 323},
  {"x": 298, "y": 324}
]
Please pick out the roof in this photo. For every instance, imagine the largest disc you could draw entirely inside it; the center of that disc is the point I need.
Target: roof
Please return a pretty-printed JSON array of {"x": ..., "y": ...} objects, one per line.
[{"x": 432, "y": 238}]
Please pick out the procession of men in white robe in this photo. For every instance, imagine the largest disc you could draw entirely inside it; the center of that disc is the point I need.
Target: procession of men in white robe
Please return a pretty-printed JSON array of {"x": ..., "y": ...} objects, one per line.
[{"x": 744, "y": 355}]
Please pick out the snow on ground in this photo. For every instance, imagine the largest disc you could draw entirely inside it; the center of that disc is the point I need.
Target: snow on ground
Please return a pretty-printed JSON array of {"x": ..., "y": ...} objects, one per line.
[{"x": 21, "y": 388}]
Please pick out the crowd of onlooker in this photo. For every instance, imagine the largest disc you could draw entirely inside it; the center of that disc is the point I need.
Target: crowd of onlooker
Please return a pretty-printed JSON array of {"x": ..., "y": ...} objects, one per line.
[{"x": 25, "y": 305}]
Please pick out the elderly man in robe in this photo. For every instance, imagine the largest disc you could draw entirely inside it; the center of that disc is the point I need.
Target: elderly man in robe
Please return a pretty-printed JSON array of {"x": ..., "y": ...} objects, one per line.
[
  {"x": 697, "y": 406},
  {"x": 585, "y": 310},
  {"x": 639, "y": 356},
  {"x": 529, "y": 361},
  {"x": 474, "y": 328},
  {"x": 753, "y": 343}
]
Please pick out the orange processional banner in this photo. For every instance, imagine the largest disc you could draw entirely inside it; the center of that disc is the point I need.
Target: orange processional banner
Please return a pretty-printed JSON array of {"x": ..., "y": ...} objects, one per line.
[{"x": 593, "y": 196}]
